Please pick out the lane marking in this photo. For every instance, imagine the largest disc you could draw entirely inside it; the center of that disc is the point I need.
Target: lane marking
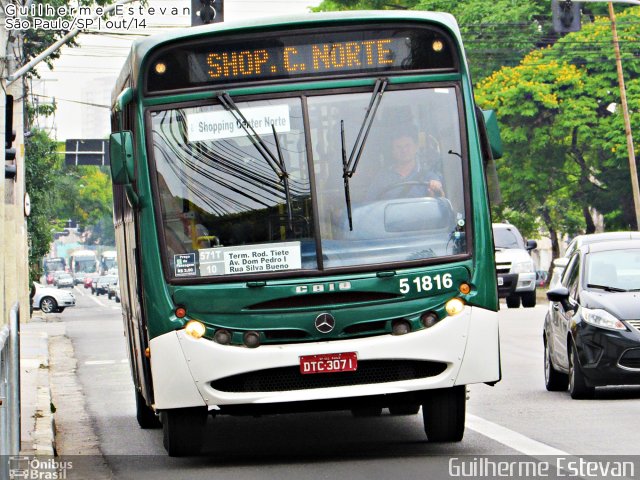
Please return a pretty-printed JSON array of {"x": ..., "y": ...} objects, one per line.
[
  {"x": 512, "y": 439},
  {"x": 99, "y": 362}
]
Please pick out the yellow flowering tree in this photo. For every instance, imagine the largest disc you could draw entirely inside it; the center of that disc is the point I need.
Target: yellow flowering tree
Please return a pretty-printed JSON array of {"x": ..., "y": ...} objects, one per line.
[{"x": 565, "y": 146}]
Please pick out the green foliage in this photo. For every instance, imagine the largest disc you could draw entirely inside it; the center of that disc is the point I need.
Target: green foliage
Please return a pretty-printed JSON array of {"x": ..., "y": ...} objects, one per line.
[
  {"x": 60, "y": 192},
  {"x": 337, "y": 5},
  {"x": 566, "y": 153},
  {"x": 40, "y": 154}
]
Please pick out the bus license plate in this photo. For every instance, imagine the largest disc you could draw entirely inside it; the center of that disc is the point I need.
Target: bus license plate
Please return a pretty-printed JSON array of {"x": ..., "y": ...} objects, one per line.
[{"x": 329, "y": 363}]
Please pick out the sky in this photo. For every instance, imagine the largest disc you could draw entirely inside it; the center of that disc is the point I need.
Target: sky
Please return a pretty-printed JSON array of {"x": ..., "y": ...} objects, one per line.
[{"x": 86, "y": 74}]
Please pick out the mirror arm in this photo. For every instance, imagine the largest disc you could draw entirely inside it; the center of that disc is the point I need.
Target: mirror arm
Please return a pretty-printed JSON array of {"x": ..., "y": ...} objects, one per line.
[{"x": 134, "y": 200}]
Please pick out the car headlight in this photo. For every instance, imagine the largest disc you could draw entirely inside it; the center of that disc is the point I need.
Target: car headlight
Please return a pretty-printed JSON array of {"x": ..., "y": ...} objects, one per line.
[
  {"x": 522, "y": 267},
  {"x": 602, "y": 318}
]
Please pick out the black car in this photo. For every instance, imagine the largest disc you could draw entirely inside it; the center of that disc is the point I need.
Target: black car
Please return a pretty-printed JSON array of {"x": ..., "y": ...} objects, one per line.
[{"x": 592, "y": 329}]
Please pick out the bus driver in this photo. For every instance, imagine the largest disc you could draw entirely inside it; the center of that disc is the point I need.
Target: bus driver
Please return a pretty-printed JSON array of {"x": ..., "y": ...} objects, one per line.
[{"x": 404, "y": 176}]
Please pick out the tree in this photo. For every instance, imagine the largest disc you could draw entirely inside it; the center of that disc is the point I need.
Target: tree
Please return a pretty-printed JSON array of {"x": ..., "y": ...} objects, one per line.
[
  {"x": 566, "y": 152},
  {"x": 41, "y": 155},
  {"x": 337, "y": 5}
]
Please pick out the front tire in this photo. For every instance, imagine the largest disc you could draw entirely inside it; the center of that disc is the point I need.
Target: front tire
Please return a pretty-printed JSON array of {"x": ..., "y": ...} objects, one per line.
[
  {"x": 529, "y": 299},
  {"x": 578, "y": 387},
  {"x": 183, "y": 430},
  {"x": 443, "y": 412},
  {"x": 554, "y": 380},
  {"x": 48, "y": 305},
  {"x": 513, "y": 301}
]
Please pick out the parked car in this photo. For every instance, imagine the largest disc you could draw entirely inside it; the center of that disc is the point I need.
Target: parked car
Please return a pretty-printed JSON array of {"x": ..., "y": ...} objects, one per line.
[
  {"x": 50, "y": 300},
  {"x": 592, "y": 328},
  {"x": 560, "y": 263},
  {"x": 515, "y": 269},
  {"x": 102, "y": 284},
  {"x": 64, "y": 280}
]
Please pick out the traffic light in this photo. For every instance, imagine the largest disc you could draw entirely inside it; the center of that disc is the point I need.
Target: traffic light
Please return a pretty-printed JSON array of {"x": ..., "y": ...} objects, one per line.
[
  {"x": 206, "y": 11},
  {"x": 9, "y": 137},
  {"x": 566, "y": 15}
]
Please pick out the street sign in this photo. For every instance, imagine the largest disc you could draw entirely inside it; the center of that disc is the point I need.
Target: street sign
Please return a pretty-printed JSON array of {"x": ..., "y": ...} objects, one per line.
[{"x": 86, "y": 152}]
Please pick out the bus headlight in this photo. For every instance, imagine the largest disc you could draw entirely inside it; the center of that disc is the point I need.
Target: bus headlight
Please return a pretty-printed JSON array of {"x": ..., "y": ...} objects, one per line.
[
  {"x": 454, "y": 306},
  {"x": 195, "y": 329}
]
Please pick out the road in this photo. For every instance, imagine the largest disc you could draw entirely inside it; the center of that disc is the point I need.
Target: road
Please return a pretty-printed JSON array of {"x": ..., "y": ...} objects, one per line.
[{"x": 516, "y": 417}]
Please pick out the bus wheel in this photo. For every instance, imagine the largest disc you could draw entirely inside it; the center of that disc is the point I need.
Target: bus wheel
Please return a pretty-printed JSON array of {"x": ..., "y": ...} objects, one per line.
[
  {"x": 145, "y": 416},
  {"x": 443, "y": 412},
  {"x": 183, "y": 430}
]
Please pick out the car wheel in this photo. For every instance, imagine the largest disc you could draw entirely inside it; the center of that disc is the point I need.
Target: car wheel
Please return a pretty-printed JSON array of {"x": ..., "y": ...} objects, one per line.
[
  {"x": 183, "y": 430},
  {"x": 578, "y": 387},
  {"x": 554, "y": 380},
  {"x": 513, "y": 301},
  {"x": 443, "y": 412},
  {"x": 48, "y": 305},
  {"x": 529, "y": 299}
]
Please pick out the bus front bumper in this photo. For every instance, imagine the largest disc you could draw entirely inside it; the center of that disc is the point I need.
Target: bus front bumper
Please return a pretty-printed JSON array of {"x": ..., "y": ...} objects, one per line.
[{"x": 463, "y": 348}]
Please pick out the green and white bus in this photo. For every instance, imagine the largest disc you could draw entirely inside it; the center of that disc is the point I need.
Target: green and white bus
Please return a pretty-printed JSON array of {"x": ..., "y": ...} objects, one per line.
[{"x": 262, "y": 268}]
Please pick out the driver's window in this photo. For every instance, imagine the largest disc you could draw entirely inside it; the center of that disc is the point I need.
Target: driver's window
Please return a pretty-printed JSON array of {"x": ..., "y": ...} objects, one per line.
[{"x": 571, "y": 276}]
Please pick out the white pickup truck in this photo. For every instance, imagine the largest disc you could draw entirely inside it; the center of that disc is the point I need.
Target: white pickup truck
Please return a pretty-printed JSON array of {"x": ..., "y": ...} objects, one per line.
[{"x": 514, "y": 265}]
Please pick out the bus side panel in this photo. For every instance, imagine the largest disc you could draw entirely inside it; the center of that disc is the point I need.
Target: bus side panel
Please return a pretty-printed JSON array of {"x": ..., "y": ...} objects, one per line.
[
  {"x": 482, "y": 354},
  {"x": 174, "y": 386}
]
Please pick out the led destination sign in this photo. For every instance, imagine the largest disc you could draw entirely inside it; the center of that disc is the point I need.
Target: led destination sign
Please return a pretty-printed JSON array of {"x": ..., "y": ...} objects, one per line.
[
  {"x": 293, "y": 56},
  {"x": 315, "y": 58}
]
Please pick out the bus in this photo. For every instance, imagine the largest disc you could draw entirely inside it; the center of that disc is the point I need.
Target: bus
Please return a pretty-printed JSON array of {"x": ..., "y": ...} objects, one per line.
[
  {"x": 53, "y": 264},
  {"x": 260, "y": 270},
  {"x": 108, "y": 262},
  {"x": 83, "y": 263}
]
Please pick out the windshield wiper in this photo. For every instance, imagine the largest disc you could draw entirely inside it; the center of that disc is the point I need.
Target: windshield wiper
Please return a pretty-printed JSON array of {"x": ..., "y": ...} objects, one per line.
[
  {"x": 606, "y": 288},
  {"x": 277, "y": 164},
  {"x": 349, "y": 166}
]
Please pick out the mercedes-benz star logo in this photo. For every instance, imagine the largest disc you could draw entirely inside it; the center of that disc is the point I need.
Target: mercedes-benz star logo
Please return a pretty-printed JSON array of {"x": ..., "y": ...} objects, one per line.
[{"x": 325, "y": 322}]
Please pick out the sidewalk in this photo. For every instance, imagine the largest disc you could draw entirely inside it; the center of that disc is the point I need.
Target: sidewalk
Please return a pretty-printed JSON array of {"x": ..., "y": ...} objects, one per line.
[{"x": 36, "y": 416}]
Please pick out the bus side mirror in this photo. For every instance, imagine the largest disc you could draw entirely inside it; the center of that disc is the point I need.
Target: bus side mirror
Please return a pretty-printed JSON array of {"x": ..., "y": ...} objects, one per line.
[
  {"x": 121, "y": 157},
  {"x": 493, "y": 132}
]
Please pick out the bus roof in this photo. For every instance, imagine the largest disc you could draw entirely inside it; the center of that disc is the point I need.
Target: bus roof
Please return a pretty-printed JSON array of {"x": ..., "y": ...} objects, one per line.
[{"x": 142, "y": 47}]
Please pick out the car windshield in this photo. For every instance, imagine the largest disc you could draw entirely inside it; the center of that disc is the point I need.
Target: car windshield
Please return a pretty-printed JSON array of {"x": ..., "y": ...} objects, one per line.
[
  {"x": 616, "y": 269},
  {"x": 507, "y": 238},
  {"x": 226, "y": 208}
]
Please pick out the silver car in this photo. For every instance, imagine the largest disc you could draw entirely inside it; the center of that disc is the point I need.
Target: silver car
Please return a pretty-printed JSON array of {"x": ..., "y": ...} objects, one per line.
[
  {"x": 64, "y": 280},
  {"x": 51, "y": 300}
]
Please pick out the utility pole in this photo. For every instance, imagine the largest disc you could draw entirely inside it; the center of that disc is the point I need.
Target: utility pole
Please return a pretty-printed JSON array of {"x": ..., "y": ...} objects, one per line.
[{"x": 625, "y": 114}]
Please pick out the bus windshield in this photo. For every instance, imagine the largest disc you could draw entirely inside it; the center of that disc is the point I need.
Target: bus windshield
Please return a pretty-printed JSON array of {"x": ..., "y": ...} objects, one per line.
[{"x": 225, "y": 210}]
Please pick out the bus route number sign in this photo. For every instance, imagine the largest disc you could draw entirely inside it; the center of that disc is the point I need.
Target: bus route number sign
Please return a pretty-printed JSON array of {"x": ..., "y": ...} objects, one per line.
[{"x": 329, "y": 363}]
